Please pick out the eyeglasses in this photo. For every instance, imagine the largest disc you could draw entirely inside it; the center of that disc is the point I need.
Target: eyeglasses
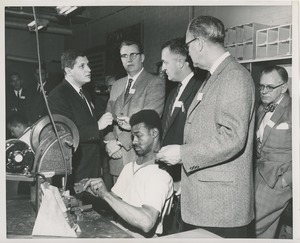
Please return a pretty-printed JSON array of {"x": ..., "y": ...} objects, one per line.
[
  {"x": 186, "y": 45},
  {"x": 131, "y": 55},
  {"x": 268, "y": 87}
]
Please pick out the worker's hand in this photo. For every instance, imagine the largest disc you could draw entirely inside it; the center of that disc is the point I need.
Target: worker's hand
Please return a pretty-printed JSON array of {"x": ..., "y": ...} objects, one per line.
[
  {"x": 117, "y": 155},
  {"x": 105, "y": 121},
  {"x": 112, "y": 147},
  {"x": 169, "y": 154},
  {"x": 123, "y": 122},
  {"x": 96, "y": 187}
]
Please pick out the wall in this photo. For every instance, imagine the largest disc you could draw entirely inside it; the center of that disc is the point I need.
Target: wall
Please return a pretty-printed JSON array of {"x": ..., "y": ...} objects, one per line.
[
  {"x": 165, "y": 22},
  {"x": 160, "y": 24},
  {"x": 22, "y": 43}
]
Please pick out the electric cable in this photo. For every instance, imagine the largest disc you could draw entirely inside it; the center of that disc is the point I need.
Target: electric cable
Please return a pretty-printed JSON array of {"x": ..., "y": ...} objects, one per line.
[{"x": 46, "y": 101}]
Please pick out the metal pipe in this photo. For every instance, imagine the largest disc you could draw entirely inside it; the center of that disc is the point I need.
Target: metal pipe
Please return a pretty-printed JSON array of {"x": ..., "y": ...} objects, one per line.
[
  {"x": 21, "y": 59},
  {"x": 54, "y": 30},
  {"x": 30, "y": 15}
]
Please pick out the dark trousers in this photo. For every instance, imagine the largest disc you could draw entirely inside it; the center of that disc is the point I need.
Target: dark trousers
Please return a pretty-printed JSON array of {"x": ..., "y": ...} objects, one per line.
[{"x": 234, "y": 232}]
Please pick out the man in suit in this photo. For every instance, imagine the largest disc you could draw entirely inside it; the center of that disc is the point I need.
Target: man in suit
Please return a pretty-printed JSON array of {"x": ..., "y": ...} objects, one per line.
[
  {"x": 37, "y": 102},
  {"x": 273, "y": 174},
  {"x": 17, "y": 96},
  {"x": 217, "y": 191},
  {"x": 178, "y": 67},
  {"x": 142, "y": 189},
  {"x": 137, "y": 91},
  {"x": 70, "y": 100}
]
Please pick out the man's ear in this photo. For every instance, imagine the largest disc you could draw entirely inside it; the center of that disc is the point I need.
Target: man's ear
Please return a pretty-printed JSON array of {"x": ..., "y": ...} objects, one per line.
[
  {"x": 284, "y": 88},
  {"x": 154, "y": 132},
  {"x": 68, "y": 70},
  {"x": 143, "y": 57}
]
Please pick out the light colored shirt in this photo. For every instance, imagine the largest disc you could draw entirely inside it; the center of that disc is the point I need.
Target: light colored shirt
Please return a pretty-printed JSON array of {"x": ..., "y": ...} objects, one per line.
[
  {"x": 134, "y": 78},
  {"x": 218, "y": 62},
  {"x": 183, "y": 85},
  {"x": 265, "y": 121}
]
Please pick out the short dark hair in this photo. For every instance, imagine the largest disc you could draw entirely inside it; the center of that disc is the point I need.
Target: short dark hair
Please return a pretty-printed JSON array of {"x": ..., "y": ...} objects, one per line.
[
  {"x": 17, "y": 118},
  {"x": 149, "y": 118},
  {"x": 14, "y": 74},
  {"x": 69, "y": 57},
  {"x": 177, "y": 46},
  {"x": 209, "y": 28},
  {"x": 43, "y": 67},
  {"x": 280, "y": 70},
  {"x": 132, "y": 42}
]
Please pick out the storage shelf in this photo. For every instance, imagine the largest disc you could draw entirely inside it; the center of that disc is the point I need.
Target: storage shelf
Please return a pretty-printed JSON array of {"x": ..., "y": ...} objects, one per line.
[{"x": 266, "y": 59}]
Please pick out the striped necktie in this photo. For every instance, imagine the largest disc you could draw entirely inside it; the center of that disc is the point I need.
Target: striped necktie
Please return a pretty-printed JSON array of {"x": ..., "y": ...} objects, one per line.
[
  {"x": 128, "y": 88},
  {"x": 86, "y": 101}
]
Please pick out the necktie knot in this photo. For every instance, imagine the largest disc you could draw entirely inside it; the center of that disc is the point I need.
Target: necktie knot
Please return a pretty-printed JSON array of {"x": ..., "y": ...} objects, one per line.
[{"x": 270, "y": 108}]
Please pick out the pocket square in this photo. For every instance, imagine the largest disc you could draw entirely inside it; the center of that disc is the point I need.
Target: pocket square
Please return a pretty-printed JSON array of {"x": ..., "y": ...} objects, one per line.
[{"x": 283, "y": 126}]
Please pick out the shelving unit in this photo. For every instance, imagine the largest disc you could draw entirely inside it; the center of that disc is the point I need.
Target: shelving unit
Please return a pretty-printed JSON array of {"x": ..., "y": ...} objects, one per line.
[
  {"x": 241, "y": 40},
  {"x": 274, "y": 41}
]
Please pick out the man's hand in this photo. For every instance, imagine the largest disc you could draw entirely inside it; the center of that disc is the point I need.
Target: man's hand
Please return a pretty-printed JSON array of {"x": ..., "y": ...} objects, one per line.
[
  {"x": 169, "y": 154},
  {"x": 117, "y": 155},
  {"x": 105, "y": 120},
  {"x": 123, "y": 122},
  {"x": 112, "y": 147},
  {"x": 96, "y": 187}
]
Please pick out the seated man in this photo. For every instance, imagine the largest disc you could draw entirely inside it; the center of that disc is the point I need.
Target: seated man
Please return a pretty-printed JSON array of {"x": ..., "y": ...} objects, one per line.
[
  {"x": 142, "y": 188},
  {"x": 17, "y": 124}
]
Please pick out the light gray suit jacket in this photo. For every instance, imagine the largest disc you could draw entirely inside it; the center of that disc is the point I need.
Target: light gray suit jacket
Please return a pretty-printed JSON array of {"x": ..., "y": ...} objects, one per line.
[
  {"x": 149, "y": 94},
  {"x": 217, "y": 174}
]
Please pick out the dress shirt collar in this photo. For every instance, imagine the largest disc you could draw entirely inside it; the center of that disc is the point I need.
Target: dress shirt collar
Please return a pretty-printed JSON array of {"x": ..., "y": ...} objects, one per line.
[
  {"x": 74, "y": 86},
  {"x": 134, "y": 78},
  {"x": 18, "y": 91},
  {"x": 185, "y": 82},
  {"x": 218, "y": 62}
]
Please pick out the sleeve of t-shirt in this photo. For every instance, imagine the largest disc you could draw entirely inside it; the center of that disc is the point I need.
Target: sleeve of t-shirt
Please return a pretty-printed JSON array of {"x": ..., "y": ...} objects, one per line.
[{"x": 159, "y": 189}]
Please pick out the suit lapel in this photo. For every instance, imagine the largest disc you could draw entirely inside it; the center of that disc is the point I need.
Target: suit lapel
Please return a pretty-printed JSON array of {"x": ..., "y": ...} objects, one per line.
[
  {"x": 138, "y": 84},
  {"x": 208, "y": 83},
  {"x": 185, "y": 94},
  {"x": 279, "y": 111}
]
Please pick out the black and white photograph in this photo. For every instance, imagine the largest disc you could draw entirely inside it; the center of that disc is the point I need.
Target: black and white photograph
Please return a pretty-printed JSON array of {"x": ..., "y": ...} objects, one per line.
[{"x": 150, "y": 119}]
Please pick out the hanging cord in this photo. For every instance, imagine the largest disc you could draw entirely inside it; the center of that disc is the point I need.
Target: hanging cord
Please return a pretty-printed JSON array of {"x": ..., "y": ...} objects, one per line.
[{"x": 45, "y": 99}]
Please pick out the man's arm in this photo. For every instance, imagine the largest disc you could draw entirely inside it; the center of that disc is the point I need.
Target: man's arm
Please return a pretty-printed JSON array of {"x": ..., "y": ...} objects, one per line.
[{"x": 143, "y": 217}]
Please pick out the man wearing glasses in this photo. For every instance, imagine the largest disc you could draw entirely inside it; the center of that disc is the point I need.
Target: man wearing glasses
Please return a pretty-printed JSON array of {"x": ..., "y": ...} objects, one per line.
[
  {"x": 273, "y": 174},
  {"x": 137, "y": 91},
  {"x": 217, "y": 191}
]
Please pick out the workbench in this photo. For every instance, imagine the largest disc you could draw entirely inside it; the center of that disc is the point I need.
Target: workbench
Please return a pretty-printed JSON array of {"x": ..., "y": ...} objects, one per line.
[{"x": 20, "y": 219}]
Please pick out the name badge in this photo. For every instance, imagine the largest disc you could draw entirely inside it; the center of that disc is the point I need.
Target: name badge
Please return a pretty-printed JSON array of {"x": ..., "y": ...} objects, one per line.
[
  {"x": 131, "y": 91},
  {"x": 270, "y": 123},
  {"x": 180, "y": 104},
  {"x": 200, "y": 96}
]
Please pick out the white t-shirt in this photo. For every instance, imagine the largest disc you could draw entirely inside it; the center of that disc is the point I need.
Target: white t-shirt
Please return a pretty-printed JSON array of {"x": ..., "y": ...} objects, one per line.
[{"x": 148, "y": 185}]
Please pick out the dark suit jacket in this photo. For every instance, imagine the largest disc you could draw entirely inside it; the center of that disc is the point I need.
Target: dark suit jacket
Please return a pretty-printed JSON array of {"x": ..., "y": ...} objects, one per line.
[
  {"x": 15, "y": 104},
  {"x": 173, "y": 134},
  {"x": 65, "y": 100}
]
